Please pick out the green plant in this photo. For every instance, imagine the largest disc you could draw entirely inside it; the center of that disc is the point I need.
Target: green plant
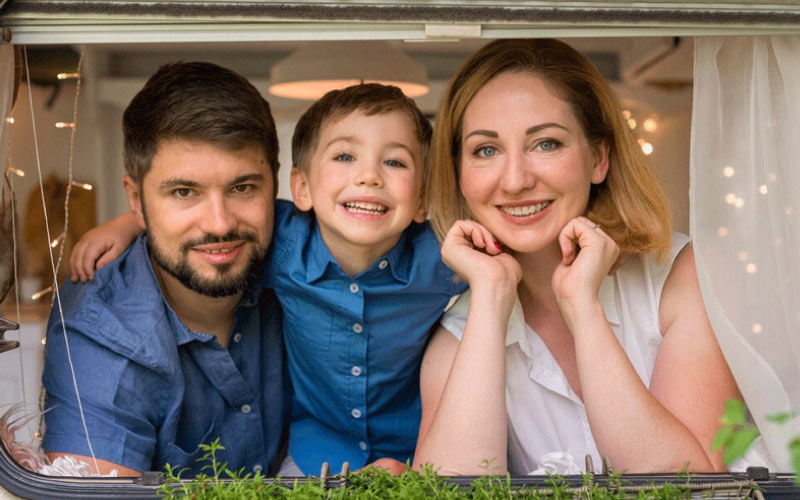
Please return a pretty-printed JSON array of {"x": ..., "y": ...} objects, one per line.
[
  {"x": 737, "y": 435},
  {"x": 216, "y": 482}
]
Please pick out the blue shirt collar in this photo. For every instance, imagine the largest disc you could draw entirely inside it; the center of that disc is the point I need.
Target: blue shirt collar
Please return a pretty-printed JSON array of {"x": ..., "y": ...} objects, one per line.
[{"x": 319, "y": 258}]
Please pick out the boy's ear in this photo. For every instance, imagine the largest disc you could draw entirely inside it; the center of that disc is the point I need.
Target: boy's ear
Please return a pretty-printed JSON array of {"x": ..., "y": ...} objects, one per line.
[
  {"x": 301, "y": 194},
  {"x": 134, "y": 199},
  {"x": 421, "y": 214},
  {"x": 600, "y": 166}
]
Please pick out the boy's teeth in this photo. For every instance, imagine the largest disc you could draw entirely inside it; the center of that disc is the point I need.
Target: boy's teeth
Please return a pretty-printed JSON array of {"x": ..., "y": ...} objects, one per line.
[
  {"x": 364, "y": 207},
  {"x": 525, "y": 210}
]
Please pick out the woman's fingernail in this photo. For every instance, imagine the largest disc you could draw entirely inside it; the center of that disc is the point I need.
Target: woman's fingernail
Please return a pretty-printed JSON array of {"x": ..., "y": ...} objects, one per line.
[{"x": 497, "y": 246}]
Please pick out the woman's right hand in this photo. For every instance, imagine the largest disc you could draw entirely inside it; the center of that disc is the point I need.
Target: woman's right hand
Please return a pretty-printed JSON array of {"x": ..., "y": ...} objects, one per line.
[
  {"x": 102, "y": 244},
  {"x": 473, "y": 253}
]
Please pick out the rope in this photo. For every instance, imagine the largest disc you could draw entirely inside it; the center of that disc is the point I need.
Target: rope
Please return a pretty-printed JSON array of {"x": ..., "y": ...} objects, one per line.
[{"x": 52, "y": 263}]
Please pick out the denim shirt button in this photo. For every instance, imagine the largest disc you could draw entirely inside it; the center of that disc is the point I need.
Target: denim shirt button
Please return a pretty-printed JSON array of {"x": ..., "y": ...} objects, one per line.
[
  {"x": 383, "y": 264},
  {"x": 237, "y": 337},
  {"x": 246, "y": 409},
  {"x": 356, "y": 413},
  {"x": 362, "y": 445},
  {"x": 257, "y": 468},
  {"x": 356, "y": 371},
  {"x": 354, "y": 287},
  {"x": 357, "y": 328}
]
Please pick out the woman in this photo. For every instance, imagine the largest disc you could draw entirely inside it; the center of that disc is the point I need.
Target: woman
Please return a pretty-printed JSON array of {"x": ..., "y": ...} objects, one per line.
[{"x": 538, "y": 189}]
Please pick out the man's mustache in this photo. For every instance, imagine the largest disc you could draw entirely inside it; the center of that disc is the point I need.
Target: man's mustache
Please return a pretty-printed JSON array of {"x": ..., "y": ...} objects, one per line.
[{"x": 213, "y": 238}]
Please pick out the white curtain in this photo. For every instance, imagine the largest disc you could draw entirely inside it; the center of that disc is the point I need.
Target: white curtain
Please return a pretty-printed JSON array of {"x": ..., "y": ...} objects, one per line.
[{"x": 745, "y": 217}]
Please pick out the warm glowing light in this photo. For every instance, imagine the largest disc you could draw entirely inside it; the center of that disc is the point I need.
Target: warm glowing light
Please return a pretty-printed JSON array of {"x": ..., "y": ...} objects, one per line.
[
  {"x": 650, "y": 125},
  {"x": 772, "y": 177},
  {"x": 631, "y": 123},
  {"x": 41, "y": 293},
  {"x": 647, "y": 148},
  {"x": 65, "y": 125},
  {"x": 16, "y": 171},
  {"x": 722, "y": 231},
  {"x": 742, "y": 255},
  {"x": 730, "y": 198},
  {"x": 44, "y": 340},
  {"x": 10, "y": 120},
  {"x": 68, "y": 76},
  {"x": 751, "y": 268},
  {"x": 626, "y": 114},
  {"x": 58, "y": 240},
  {"x": 739, "y": 203},
  {"x": 788, "y": 210},
  {"x": 82, "y": 185},
  {"x": 728, "y": 171},
  {"x": 757, "y": 328},
  {"x": 762, "y": 189}
]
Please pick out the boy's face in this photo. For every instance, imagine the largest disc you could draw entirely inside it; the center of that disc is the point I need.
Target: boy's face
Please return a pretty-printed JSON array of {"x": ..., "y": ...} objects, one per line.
[{"x": 363, "y": 181}]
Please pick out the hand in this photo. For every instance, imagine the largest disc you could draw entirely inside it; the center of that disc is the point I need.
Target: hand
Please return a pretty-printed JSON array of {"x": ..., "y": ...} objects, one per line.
[
  {"x": 587, "y": 256},
  {"x": 461, "y": 251},
  {"x": 390, "y": 465},
  {"x": 102, "y": 244}
]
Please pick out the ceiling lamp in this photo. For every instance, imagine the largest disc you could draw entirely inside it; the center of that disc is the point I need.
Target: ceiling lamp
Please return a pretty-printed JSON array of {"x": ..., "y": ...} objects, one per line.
[{"x": 310, "y": 72}]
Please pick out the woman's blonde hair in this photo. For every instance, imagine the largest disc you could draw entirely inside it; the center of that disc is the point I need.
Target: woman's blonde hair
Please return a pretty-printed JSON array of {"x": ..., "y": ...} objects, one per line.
[{"x": 629, "y": 205}]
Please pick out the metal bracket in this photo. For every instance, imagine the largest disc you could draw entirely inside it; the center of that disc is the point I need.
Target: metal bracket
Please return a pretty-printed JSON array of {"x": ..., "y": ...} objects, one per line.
[{"x": 5, "y": 325}]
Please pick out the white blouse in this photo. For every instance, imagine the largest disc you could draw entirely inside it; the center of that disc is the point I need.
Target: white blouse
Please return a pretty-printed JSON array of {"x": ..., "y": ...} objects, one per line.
[{"x": 548, "y": 430}]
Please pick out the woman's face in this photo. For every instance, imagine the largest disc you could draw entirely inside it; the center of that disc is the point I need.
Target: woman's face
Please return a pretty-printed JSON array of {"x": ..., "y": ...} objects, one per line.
[{"x": 526, "y": 165}]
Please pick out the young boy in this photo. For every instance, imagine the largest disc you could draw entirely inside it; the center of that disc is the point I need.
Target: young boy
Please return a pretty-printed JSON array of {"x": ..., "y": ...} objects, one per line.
[{"x": 359, "y": 276}]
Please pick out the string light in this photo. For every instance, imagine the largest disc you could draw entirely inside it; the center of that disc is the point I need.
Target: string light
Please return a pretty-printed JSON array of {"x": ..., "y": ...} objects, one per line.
[
  {"x": 757, "y": 328},
  {"x": 10, "y": 120},
  {"x": 739, "y": 203},
  {"x": 742, "y": 255},
  {"x": 751, "y": 268},
  {"x": 15, "y": 171},
  {"x": 762, "y": 189},
  {"x": 631, "y": 123},
  {"x": 722, "y": 231},
  {"x": 728, "y": 171},
  {"x": 38, "y": 295},
  {"x": 647, "y": 148},
  {"x": 82, "y": 185},
  {"x": 58, "y": 240},
  {"x": 65, "y": 125},
  {"x": 772, "y": 177},
  {"x": 626, "y": 114},
  {"x": 68, "y": 76},
  {"x": 788, "y": 210},
  {"x": 650, "y": 125},
  {"x": 730, "y": 198}
]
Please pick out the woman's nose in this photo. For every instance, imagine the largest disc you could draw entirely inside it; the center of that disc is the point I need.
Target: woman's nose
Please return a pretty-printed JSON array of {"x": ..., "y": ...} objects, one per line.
[{"x": 519, "y": 173}]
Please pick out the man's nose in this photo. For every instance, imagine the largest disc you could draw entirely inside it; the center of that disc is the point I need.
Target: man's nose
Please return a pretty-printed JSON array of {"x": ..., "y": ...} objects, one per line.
[{"x": 218, "y": 218}]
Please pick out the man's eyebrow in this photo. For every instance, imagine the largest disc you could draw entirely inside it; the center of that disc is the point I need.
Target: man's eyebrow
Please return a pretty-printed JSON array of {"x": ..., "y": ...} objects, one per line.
[
  {"x": 177, "y": 182},
  {"x": 248, "y": 177}
]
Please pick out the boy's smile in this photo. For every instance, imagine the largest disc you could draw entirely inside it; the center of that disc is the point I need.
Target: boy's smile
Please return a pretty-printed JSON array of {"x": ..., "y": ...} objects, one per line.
[{"x": 363, "y": 184}]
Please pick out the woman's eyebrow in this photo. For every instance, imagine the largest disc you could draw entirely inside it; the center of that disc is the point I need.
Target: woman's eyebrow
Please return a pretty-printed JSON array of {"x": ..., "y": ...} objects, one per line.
[
  {"x": 487, "y": 133},
  {"x": 542, "y": 126}
]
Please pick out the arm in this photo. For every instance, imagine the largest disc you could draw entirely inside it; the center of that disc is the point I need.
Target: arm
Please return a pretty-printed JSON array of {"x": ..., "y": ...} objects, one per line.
[
  {"x": 102, "y": 244},
  {"x": 463, "y": 383},
  {"x": 100, "y": 467},
  {"x": 673, "y": 423}
]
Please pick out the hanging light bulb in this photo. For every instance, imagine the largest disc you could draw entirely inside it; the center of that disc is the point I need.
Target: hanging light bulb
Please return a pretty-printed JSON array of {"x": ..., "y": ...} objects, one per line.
[
  {"x": 58, "y": 240},
  {"x": 41, "y": 293},
  {"x": 16, "y": 171},
  {"x": 82, "y": 185},
  {"x": 68, "y": 76},
  {"x": 65, "y": 125}
]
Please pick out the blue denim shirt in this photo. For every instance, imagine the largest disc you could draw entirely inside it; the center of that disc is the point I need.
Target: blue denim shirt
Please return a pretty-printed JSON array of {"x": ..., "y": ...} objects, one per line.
[
  {"x": 354, "y": 345},
  {"x": 152, "y": 390}
]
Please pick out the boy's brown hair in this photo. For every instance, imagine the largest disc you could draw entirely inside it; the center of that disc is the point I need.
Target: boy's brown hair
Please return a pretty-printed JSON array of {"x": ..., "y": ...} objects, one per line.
[
  {"x": 197, "y": 101},
  {"x": 369, "y": 98}
]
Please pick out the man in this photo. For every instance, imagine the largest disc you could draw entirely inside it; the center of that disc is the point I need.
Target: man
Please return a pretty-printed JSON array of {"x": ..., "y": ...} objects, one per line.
[{"x": 172, "y": 345}]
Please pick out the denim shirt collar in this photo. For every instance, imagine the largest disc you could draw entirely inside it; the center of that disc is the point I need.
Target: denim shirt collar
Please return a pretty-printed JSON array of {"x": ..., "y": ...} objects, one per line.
[{"x": 319, "y": 258}]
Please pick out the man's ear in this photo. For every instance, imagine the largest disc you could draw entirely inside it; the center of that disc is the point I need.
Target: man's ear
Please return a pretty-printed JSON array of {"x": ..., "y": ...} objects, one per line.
[
  {"x": 134, "y": 199},
  {"x": 301, "y": 194},
  {"x": 600, "y": 166}
]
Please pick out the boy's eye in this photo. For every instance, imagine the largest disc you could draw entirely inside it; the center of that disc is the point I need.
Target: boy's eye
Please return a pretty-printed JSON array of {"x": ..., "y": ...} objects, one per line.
[
  {"x": 548, "y": 145},
  {"x": 486, "y": 151},
  {"x": 343, "y": 157},
  {"x": 394, "y": 163}
]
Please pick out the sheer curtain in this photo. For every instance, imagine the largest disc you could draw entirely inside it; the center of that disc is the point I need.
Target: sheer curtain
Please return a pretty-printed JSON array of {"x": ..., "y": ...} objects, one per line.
[{"x": 745, "y": 217}]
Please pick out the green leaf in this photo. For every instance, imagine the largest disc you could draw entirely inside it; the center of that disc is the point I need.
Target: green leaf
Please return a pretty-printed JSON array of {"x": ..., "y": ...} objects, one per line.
[
  {"x": 722, "y": 437},
  {"x": 734, "y": 412},
  {"x": 780, "y": 418},
  {"x": 739, "y": 443}
]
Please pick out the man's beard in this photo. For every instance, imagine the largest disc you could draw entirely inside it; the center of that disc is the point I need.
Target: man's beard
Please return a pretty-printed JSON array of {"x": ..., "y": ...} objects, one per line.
[{"x": 226, "y": 284}]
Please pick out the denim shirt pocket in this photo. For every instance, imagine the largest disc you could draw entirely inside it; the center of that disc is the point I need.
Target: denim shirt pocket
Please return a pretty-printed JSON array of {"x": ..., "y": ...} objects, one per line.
[
  {"x": 307, "y": 322},
  {"x": 179, "y": 458}
]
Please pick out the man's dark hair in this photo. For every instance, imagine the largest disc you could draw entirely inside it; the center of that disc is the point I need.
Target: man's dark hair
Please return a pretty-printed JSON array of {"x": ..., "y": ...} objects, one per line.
[{"x": 197, "y": 101}]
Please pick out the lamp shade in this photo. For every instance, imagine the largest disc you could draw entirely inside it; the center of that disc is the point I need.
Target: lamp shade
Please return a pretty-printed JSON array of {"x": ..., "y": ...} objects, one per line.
[{"x": 310, "y": 72}]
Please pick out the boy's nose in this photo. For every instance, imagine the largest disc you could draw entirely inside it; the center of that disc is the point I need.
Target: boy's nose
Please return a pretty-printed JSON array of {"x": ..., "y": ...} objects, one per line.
[{"x": 369, "y": 175}]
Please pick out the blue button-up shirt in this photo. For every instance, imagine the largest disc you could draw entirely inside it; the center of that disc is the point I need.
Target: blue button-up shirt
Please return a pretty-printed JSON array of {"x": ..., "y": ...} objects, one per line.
[
  {"x": 354, "y": 345},
  {"x": 152, "y": 390}
]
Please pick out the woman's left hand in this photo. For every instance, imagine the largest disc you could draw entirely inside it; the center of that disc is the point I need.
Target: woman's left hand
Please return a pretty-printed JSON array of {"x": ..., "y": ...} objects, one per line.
[{"x": 587, "y": 256}]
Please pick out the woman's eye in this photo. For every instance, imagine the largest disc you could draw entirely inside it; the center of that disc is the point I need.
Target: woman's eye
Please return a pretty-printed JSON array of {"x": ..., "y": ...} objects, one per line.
[
  {"x": 486, "y": 151},
  {"x": 548, "y": 145},
  {"x": 343, "y": 157}
]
